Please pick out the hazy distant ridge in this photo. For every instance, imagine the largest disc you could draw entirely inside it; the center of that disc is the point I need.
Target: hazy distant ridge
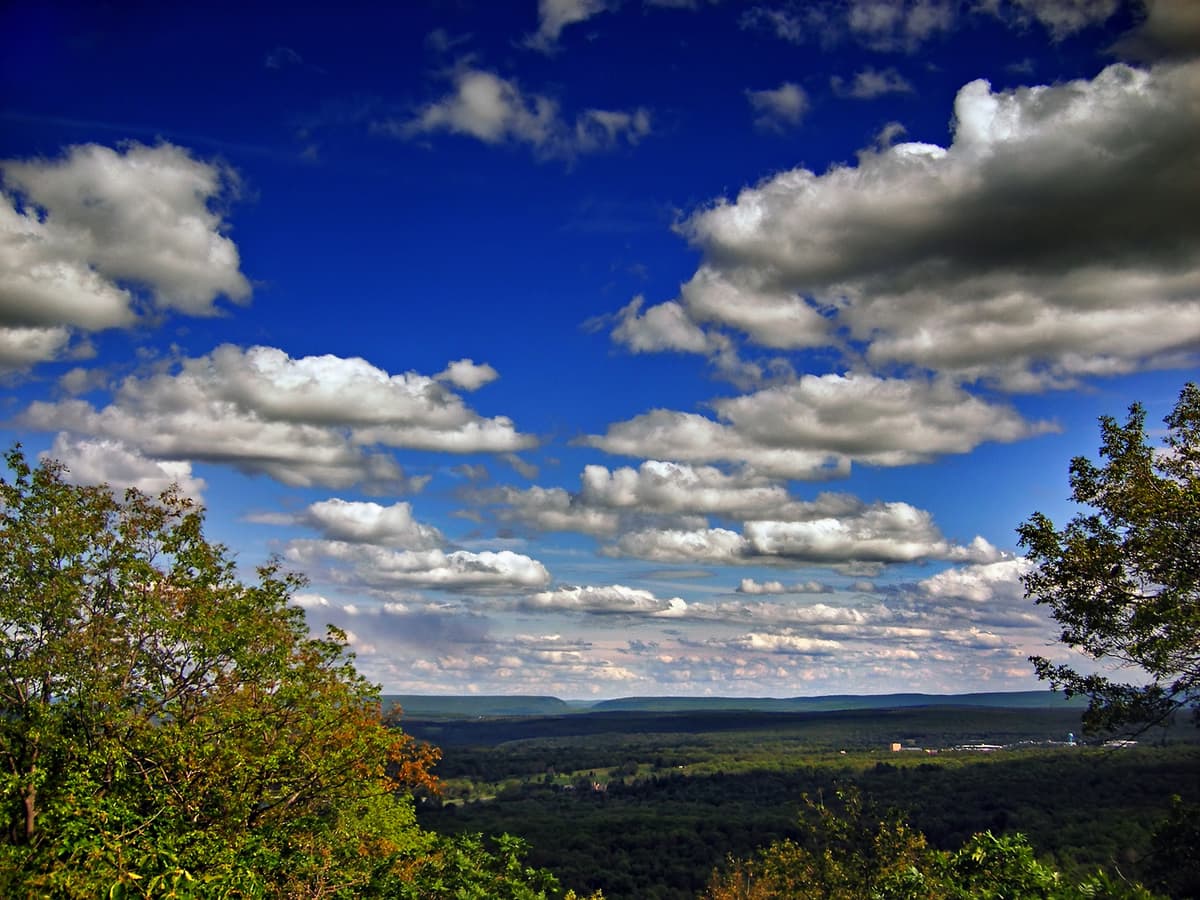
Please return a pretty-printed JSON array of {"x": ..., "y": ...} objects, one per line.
[
  {"x": 478, "y": 705},
  {"x": 520, "y": 705}
]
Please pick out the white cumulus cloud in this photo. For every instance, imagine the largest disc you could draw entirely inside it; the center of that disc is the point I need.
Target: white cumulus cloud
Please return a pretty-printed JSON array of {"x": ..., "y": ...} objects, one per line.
[
  {"x": 816, "y": 426},
  {"x": 608, "y": 599},
  {"x": 382, "y": 568},
  {"x": 304, "y": 421},
  {"x": 882, "y": 533},
  {"x": 466, "y": 375},
  {"x": 93, "y": 239},
  {"x": 371, "y": 523},
  {"x": 1055, "y": 238},
  {"x": 555, "y": 15},
  {"x": 992, "y": 583},
  {"x": 113, "y": 463},
  {"x": 751, "y": 586}
]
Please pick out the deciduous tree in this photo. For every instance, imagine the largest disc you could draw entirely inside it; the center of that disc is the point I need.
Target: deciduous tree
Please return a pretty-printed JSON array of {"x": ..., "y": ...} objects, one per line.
[
  {"x": 166, "y": 729},
  {"x": 1123, "y": 577}
]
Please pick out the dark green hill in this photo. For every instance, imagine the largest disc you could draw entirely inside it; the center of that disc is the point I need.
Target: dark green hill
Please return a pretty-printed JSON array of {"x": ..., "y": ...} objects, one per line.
[
  {"x": 924, "y": 726},
  {"x": 492, "y": 705},
  {"x": 1008, "y": 700},
  {"x": 436, "y": 705}
]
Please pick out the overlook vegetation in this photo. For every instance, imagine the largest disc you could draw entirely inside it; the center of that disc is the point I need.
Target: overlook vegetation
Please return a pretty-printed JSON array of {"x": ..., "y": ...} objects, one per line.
[{"x": 167, "y": 730}]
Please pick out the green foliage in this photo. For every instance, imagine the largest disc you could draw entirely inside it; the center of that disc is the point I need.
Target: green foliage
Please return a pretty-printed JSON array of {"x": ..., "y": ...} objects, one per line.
[
  {"x": 846, "y": 854},
  {"x": 852, "y": 854},
  {"x": 1173, "y": 865},
  {"x": 1123, "y": 579},
  {"x": 699, "y": 796},
  {"x": 168, "y": 731}
]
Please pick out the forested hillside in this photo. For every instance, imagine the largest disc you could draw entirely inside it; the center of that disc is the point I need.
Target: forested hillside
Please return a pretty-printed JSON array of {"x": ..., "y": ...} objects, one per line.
[{"x": 639, "y": 812}]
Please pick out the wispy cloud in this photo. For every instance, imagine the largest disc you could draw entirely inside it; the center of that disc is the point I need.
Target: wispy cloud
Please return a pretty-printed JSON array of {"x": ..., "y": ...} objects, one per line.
[
  {"x": 494, "y": 110},
  {"x": 779, "y": 108}
]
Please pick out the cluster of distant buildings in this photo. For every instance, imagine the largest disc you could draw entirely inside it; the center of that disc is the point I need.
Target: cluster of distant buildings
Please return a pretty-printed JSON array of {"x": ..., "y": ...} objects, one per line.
[{"x": 898, "y": 747}]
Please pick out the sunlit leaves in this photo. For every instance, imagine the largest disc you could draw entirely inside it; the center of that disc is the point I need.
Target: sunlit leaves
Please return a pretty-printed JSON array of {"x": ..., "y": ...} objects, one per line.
[
  {"x": 168, "y": 730},
  {"x": 1123, "y": 578}
]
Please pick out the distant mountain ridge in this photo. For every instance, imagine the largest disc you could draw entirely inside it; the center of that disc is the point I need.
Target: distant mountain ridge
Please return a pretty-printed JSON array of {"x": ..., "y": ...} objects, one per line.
[
  {"x": 478, "y": 705},
  {"x": 426, "y": 705}
]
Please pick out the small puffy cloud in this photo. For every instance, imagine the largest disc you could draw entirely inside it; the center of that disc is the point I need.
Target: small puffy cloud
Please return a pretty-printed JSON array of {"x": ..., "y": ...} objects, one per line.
[
  {"x": 874, "y": 420},
  {"x": 371, "y": 523},
  {"x": 90, "y": 240},
  {"x": 710, "y": 546},
  {"x": 550, "y": 509},
  {"x": 306, "y": 421},
  {"x": 672, "y": 488},
  {"x": 996, "y": 583},
  {"x": 373, "y": 567},
  {"x": 489, "y": 108},
  {"x": 697, "y": 438},
  {"x": 664, "y": 326},
  {"x": 620, "y": 499},
  {"x": 778, "y": 109},
  {"x": 555, "y": 15},
  {"x": 21, "y": 348},
  {"x": 113, "y": 463},
  {"x": 818, "y": 618},
  {"x": 673, "y": 326},
  {"x": 470, "y": 472},
  {"x": 871, "y": 83},
  {"x": 816, "y": 426},
  {"x": 662, "y": 509},
  {"x": 465, "y": 375},
  {"x": 495, "y": 110},
  {"x": 607, "y": 600},
  {"x": 750, "y": 586},
  {"x": 80, "y": 380},
  {"x": 784, "y": 643},
  {"x": 772, "y": 318},
  {"x": 883, "y": 533}
]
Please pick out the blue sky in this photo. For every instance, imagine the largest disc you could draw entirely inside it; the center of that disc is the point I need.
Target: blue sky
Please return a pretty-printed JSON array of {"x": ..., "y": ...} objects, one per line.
[{"x": 606, "y": 348}]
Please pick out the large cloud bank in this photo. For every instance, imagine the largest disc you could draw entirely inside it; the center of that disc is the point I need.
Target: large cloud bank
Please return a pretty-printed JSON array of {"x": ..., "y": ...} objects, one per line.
[{"x": 1054, "y": 239}]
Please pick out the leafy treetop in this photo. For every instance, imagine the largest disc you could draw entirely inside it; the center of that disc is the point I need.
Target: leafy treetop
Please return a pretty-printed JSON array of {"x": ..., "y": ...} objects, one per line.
[
  {"x": 1123, "y": 578},
  {"x": 167, "y": 730}
]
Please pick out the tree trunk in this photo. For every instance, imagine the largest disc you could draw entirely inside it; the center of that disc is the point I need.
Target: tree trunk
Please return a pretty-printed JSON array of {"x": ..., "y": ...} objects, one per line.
[{"x": 30, "y": 802}]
